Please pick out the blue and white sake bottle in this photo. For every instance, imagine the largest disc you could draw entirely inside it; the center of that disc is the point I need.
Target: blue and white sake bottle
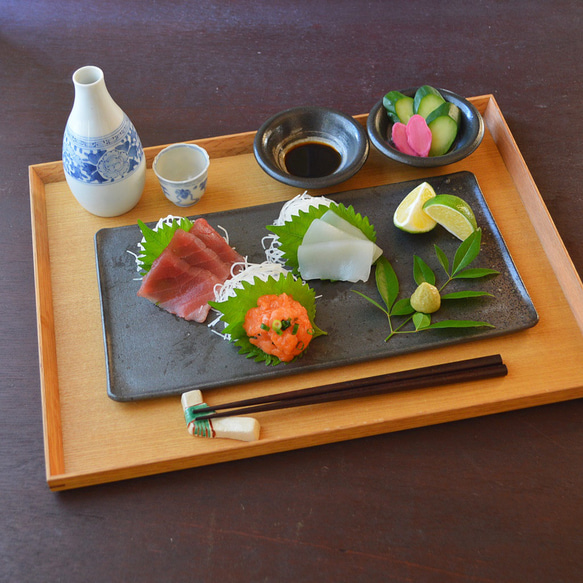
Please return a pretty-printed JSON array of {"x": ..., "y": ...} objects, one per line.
[{"x": 103, "y": 158}]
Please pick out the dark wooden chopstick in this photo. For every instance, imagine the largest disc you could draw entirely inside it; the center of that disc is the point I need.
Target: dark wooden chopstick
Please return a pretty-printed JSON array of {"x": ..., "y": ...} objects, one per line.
[
  {"x": 451, "y": 372},
  {"x": 460, "y": 365}
]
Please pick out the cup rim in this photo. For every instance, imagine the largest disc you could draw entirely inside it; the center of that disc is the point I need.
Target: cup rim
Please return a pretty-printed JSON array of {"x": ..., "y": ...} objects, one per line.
[{"x": 181, "y": 145}]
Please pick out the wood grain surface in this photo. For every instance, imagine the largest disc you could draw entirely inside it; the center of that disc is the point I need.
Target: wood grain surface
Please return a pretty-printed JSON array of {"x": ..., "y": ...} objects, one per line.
[
  {"x": 492, "y": 499},
  {"x": 75, "y": 398}
]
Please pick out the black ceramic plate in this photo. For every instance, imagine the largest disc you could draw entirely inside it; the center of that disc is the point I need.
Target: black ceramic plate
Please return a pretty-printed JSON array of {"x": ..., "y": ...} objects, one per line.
[{"x": 151, "y": 353}]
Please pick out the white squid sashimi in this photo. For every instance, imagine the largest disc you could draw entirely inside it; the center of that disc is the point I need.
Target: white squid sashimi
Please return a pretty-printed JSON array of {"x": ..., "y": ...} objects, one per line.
[
  {"x": 320, "y": 231},
  {"x": 337, "y": 221},
  {"x": 345, "y": 260}
]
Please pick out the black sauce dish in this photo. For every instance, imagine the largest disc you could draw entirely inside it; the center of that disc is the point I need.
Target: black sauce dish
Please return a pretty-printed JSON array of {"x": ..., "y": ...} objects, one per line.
[
  {"x": 469, "y": 136},
  {"x": 311, "y": 147}
]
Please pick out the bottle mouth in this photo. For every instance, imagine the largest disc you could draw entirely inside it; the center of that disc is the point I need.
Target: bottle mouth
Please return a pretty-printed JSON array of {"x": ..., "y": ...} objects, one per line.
[{"x": 87, "y": 75}]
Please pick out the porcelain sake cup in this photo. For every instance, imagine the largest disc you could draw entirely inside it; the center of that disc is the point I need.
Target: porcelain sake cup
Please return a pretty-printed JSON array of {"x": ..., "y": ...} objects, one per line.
[
  {"x": 182, "y": 170},
  {"x": 103, "y": 159}
]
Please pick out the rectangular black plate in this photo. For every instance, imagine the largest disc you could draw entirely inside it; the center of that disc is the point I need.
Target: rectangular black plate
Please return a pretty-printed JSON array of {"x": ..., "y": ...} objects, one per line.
[{"x": 151, "y": 353}]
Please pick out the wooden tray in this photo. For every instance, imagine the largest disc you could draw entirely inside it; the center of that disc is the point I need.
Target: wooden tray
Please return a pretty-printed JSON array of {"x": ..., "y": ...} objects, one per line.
[{"x": 90, "y": 439}]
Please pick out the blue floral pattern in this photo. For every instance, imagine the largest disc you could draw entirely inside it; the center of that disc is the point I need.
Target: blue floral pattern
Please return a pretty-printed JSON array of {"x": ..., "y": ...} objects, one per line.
[
  {"x": 105, "y": 159},
  {"x": 184, "y": 196}
]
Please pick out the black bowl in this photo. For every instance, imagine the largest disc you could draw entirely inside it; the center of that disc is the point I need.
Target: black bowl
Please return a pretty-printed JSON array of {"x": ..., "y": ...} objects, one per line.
[
  {"x": 302, "y": 125},
  {"x": 469, "y": 137}
]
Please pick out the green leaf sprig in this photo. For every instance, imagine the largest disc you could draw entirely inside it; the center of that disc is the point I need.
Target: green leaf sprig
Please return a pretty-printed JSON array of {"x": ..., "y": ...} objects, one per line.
[
  {"x": 291, "y": 233},
  {"x": 234, "y": 309},
  {"x": 155, "y": 241},
  {"x": 388, "y": 287}
]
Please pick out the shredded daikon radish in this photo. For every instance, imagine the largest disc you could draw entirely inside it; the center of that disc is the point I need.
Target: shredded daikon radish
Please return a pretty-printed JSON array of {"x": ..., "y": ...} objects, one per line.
[
  {"x": 251, "y": 271},
  {"x": 301, "y": 202},
  {"x": 226, "y": 234}
]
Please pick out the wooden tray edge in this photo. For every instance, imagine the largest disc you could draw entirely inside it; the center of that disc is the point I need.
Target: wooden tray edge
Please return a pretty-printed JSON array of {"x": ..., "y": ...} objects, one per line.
[
  {"x": 51, "y": 406},
  {"x": 64, "y": 481},
  {"x": 538, "y": 213}
]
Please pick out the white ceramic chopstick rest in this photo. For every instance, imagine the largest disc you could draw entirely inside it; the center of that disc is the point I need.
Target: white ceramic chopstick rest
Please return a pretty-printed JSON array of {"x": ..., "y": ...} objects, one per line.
[{"x": 239, "y": 428}]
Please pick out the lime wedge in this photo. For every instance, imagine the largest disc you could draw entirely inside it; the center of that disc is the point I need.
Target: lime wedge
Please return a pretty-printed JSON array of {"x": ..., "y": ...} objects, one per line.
[
  {"x": 410, "y": 216},
  {"x": 453, "y": 214}
]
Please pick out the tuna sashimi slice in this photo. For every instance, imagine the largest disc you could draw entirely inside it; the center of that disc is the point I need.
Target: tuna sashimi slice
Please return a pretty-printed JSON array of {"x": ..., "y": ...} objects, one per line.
[
  {"x": 194, "y": 251},
  {"x": 212, "y": 239},
  {"x": 179, "y": 288}
]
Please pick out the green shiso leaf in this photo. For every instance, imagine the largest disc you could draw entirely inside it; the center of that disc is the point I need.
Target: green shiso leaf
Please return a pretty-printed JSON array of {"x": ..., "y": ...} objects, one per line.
[
  {"x": 234, "y": 309},
  {"x": 355, "y": 219},
  {"x": 155, "y": 241},
  {"x": 291, "y": 233}
]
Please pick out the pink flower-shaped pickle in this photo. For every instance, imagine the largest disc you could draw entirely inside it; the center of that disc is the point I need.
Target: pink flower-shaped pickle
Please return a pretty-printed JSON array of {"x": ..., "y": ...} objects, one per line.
[
  {"x": 414, "y": 138},
  {"x": 399, "y": 137}
]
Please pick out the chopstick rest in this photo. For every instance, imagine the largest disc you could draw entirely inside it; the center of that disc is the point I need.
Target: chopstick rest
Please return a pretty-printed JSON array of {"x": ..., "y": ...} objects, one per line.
[{"x": 239, "y": 428}]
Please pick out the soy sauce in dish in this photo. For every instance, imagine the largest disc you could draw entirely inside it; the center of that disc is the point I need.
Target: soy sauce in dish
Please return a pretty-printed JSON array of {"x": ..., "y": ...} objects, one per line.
[{"x": 312, "y": 160}]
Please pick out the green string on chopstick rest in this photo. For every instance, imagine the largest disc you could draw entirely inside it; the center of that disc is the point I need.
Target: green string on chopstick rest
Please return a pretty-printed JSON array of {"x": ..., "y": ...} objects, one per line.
[{"x": 202, "y": 428}]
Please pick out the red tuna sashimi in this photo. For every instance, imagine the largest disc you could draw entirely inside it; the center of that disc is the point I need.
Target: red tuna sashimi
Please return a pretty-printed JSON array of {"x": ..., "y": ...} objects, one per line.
[
  {"x": 212, "y": 239},
  {"x": 179, "y": 288},
  {"x": 194, "y": 251}
]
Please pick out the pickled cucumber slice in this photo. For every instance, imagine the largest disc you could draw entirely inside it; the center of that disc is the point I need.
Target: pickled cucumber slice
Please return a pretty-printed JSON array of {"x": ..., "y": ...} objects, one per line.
[
  {"x": 399, "y": 107},
  {"x": 443, "y": 131},
  {"x": 426, "y": 100},
  {"x": 446, "y": 108}
]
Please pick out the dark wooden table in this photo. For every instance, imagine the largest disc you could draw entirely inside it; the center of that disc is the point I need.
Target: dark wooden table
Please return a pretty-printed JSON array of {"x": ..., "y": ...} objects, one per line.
[{"x": 493, "y": 499}]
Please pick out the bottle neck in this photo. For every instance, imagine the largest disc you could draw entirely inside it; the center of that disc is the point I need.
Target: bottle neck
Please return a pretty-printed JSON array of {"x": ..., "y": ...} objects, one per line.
[{"x": 94, "y": 112}]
